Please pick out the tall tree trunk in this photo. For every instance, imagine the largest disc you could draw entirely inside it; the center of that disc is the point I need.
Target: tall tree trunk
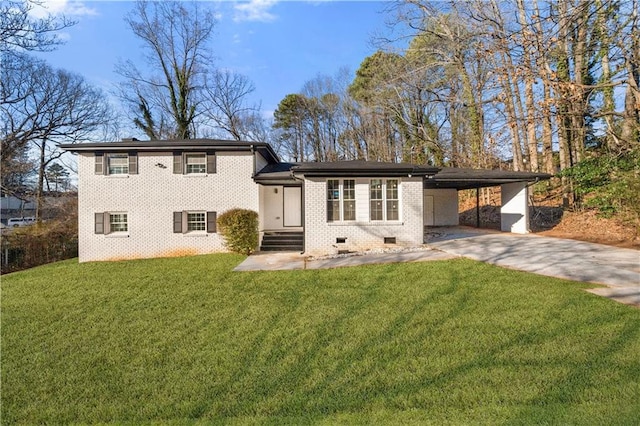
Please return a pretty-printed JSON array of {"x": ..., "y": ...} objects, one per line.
[
  {"x": 608, "y": 103},
  {"x": 510, "y": 109},
  {"x": 40, "y": 187},
  {"x": 547, "y": 96},
  {"x": 579, "y": 95},
  {"x": 630, "y": 132},
  {"x": 475, "y": 116},
  {"x": 532, "y": 141}
]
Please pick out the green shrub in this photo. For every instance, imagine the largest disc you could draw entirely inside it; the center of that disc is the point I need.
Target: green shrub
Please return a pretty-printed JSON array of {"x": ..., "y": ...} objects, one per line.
[
  {"x": 609, "y": 183},
  {"x": 239, "y": 227}
]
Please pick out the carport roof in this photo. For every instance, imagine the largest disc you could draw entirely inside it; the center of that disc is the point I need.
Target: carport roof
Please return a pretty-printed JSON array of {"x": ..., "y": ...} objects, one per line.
[{"x": 461, "y": 178}]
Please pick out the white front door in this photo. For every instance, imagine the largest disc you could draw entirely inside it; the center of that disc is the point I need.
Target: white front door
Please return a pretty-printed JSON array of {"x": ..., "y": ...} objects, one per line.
[{"x": 292, "y": 206}]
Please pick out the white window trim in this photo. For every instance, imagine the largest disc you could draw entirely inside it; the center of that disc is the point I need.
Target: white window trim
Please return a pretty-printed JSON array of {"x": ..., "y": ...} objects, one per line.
[
  {"x": 202, "y": 232},
  {"x": 341, "y": 201},
  {"x": 384, "y": 219},
  {"x": 107, "y": 166},
  {"x": 185, "y": 158},
  {"x": 126, "y": 222}
]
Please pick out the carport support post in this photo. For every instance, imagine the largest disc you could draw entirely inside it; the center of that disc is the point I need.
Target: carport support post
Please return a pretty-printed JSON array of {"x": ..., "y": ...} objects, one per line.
[
  {"x": 478, "y": 207},
  {"x": 514, "y": 213}
]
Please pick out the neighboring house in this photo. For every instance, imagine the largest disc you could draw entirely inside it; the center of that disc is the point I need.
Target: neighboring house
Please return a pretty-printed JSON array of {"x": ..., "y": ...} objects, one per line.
[
  {"x": 161, "y": 198},
  {"x": 12, "y": 206}
]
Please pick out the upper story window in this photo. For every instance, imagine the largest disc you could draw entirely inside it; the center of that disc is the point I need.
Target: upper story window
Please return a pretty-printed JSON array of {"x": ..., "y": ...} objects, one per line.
[
  {"x": 195, "y": 163},
  {"x": 116, "y": 163},
  {"x": 186, "y": 163},
  {"x": 384, "y": 198},
  {"x": 341, "y": 200}
]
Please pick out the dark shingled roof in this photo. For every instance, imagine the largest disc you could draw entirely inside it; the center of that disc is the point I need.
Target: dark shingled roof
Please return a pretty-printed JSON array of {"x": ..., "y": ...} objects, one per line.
[
  {"x": 446, "y": 177},
  {"x": 362, "y": 169},
  {"x": 276, "y": 174},
  {"x": 169, "y": 145}
]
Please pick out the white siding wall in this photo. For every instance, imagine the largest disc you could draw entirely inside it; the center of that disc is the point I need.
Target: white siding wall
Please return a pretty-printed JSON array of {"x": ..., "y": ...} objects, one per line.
[
  {"x": 151, "y": 197},
  {"x": 445, "y": 206},
  {"x": 320, "y": 235}
]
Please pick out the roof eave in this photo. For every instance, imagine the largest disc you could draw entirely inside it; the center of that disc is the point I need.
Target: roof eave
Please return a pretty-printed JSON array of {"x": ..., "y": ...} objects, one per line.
[{"x": 163, "y": 146}]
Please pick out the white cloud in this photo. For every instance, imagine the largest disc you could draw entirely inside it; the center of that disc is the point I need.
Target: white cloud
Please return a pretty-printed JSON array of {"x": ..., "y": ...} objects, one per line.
[
  {"x": 61, "y": 7},
  {"x": 255, "y": 10}
]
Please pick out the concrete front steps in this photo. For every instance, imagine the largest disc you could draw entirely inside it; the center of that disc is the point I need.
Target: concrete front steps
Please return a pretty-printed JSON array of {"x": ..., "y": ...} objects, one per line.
[{"x": 282, "y": 241}]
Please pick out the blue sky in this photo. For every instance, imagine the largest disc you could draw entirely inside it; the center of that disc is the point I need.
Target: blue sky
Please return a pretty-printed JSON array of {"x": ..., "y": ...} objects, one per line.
[{"x": 278, "y": 45}]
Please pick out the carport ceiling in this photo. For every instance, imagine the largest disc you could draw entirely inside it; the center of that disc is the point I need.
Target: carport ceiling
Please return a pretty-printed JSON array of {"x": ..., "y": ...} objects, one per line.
[{"x": 458, "y": 178}]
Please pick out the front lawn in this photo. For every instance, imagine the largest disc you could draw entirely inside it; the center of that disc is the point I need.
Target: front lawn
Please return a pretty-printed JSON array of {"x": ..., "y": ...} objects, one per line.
[{"x": 186, "y": 340}]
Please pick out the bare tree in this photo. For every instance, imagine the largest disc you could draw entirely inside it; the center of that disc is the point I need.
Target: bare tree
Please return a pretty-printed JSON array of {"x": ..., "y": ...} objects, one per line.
[
  {"x": 166, "y": 101},
  {"x": 225, "y": 104},
  {"x": 42, "y": 107},
  {"x": 630, "y": 45},
  {"x": 20, "y": 31}
]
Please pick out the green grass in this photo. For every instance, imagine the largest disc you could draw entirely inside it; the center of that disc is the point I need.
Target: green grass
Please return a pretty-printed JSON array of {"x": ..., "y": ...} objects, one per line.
[{"x": 188, "y": 341}]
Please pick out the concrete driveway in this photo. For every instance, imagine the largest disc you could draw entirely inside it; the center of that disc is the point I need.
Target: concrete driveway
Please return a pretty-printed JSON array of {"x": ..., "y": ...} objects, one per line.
[{"x": 617, "y": 268}]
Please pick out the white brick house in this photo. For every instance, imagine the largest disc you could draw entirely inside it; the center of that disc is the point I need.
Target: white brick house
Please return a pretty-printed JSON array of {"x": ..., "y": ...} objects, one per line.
[{"x": 162, "y": 198}]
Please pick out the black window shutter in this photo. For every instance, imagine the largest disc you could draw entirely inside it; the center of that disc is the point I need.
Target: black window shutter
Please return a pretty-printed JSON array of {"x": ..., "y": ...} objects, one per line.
[
  {"x": 211, "y": 221},
  {"x": 133, "y": 163},
  {"x": 99, "y": 168},
  {"x": 177, "y": 222},
  {"x": 99, "y": 223},
  {"x": 211, "y": 163},
  {"x": 177, "y": 163}
]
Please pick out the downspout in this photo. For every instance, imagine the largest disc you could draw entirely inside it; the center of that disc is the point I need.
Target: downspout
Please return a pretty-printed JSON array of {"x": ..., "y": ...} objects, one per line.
[
  {"x": 304, "y": 216},
  {"x": 255, "y": 162}
]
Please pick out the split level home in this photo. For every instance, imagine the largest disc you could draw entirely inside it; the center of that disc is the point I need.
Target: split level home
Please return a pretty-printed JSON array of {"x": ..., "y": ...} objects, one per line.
[{"x": 141, "y": 199}]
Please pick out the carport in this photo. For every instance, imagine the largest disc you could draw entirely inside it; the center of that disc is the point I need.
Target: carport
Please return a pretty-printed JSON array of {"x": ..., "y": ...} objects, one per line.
[{"x": 441, "y": 207}]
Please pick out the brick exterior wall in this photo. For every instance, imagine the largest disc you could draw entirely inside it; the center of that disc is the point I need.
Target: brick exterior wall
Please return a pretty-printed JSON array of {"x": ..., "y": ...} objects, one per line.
[
  {"x": 320, "y": 235},
  {"x": 150, "y": 197}
]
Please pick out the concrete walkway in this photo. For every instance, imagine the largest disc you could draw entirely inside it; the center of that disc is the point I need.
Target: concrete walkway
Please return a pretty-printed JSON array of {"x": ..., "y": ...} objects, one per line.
[
  {"x": 617, "y": 268},
  {"x": 288, "y": 260}
]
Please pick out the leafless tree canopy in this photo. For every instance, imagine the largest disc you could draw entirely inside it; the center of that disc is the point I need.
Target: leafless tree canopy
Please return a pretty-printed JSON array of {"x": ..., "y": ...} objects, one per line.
[
  {"x": 19, "y": 31},
  {"x": 42, "y": 107},
  {"x": 164, "y": 91},
  {"x": 529, "y": 85}
]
